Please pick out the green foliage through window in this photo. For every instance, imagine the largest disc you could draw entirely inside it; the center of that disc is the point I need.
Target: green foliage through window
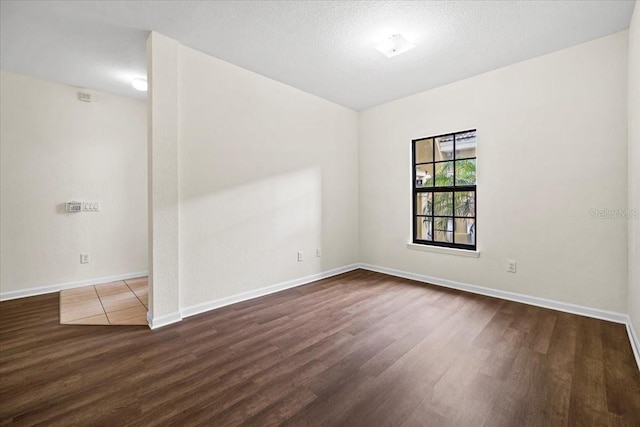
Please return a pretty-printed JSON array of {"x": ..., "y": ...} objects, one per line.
[{"x": 444, "y": 187}]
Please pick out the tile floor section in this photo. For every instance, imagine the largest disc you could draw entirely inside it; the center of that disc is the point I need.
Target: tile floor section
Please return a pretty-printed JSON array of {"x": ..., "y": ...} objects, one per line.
[{"x": 117, "y": 303}]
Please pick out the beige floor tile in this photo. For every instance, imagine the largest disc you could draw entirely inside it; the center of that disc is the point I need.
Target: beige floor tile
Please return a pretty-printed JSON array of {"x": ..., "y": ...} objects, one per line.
[
  {"x": 112, "y": 288},
  {"x": 88, "y": 302},
  {"x": 66, "y": 298},
  {"x": 141, "y": 282},
  {"x": 78, "y": 291},
  {"x": 127, "y": 313},
  {"x": 142, "y": 293},
  {"x": 117, "y": 302},
  {"x": 118, "y": 296},
  {"x": 122, "y": 303},
  {"x": 139, "y": 320},
  {"x": 140, "y": 288},
  {"x": 80, "y": 310},
  {"x": 93, "y": 320}
]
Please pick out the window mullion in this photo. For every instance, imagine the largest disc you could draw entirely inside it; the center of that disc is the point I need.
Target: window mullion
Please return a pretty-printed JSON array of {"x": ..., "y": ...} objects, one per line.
[{"x": 468, "y": 174}]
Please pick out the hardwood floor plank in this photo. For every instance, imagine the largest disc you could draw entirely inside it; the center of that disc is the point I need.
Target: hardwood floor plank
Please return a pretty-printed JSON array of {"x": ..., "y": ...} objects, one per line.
[
  {"x": 281, "y": 410},
  {"x": 622, "y": 378},
  {"x": 455, "y": 383},
  {"x": 588, "y": 390},
  {"x": 589, "y": 338},
  {"x": 563, "y": 341},
  {"x": 391, "y": 402},
  {"x": 335, "y": 409},
  {"x": 358, "y": 349}
]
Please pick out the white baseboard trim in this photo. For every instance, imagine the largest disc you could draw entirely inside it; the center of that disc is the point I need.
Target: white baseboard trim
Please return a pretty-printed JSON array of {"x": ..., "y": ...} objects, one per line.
[
  {"x": 511, "y": 296},
  {"x": 218, "y": 303},
  {"x": 41, "y": 290},
  {"x": 167, "y": 319},
  {"x": 633, "y": 338}
]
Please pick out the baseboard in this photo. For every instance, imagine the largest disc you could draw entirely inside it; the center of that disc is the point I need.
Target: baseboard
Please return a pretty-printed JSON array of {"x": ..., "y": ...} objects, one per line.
[
  {"x": 596, "y": 313},
  {"x": 167, "y": 319},
  {"x": 69, "y": 285},
  {"x": 633, "y": 338},
  {"x": 218, "y": 303}
]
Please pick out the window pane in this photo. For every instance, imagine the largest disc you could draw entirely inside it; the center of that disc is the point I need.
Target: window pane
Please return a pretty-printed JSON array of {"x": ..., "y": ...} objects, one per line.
[
  {"x": 466, "y": 231},
  {"x": 465, "y": 203},
  {"x": 444, "y": 148},
  {"x": 424, "y": 203},
  {"x": 424, "y": 228},
  {"x": 466, "y": 172},
  {"x": 443, "y": 230},
  {"x": 444, "y": 174},
  {"x": 445, "y": 189},
  {"x": 443, "y": 204},
  {"x": 424, "y": 176},
  {"x": 466, "y": 145},
  {"x": 424, "y": 150}
]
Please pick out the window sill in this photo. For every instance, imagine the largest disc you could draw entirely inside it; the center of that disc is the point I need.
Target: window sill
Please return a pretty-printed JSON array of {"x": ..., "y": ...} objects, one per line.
[{"x": 443, "y": 250}]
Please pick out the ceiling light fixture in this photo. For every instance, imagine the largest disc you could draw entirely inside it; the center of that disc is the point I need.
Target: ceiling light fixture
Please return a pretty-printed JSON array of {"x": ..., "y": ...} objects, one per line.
[
  {"x": 394, "y": 45},
  {"x": 139, "y": 84}
]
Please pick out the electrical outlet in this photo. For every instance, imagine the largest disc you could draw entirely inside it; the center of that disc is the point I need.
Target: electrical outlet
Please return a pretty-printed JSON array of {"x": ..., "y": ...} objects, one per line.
[
  {"x": 511, "y": 266},
  {"x": 318, "y": 253},
  {"x": 85, "y": 258},
  {"x": 300, "y": 256},
  {"x": 74, "y": 206}
]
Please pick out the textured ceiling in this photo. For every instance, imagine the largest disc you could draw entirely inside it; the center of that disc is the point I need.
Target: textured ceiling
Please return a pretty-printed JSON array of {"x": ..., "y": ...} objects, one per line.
[{"x": 324, "y": 48}]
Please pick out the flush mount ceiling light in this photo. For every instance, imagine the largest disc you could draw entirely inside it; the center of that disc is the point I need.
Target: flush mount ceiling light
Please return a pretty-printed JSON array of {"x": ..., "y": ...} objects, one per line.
[
  {"x": 394, "y": 45},
  {"x": 139, "y": 84}
]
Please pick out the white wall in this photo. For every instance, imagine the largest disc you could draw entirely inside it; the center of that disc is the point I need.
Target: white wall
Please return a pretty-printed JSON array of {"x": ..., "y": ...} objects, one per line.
[
  {"x": 551, "y": 147},
  {"x": 54, "y": 149},
  {"x": 162, "y": 71},
  {"x": 265, "y": 171},
  {"x": 634, "y": 168}
]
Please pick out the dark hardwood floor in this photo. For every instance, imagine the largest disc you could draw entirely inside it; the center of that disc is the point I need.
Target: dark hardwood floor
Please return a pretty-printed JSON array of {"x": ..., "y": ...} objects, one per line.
[{"x": 359, "y": 349}]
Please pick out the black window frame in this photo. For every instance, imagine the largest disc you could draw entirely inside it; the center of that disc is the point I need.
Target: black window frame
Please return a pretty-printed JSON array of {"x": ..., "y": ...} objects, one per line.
[{"x": 442, "y": 189}]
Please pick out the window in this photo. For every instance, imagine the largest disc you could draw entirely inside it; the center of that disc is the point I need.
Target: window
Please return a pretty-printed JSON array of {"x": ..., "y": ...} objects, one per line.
[{"x": 444, "y": 190}]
